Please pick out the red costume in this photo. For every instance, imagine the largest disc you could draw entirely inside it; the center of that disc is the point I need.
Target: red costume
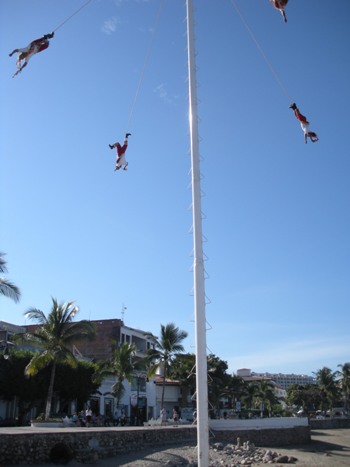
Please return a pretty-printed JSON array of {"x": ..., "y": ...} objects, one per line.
[
  {"x": 280, "y": 5},
  {"x": 36, "y": 46},
  {"x": 121, "y": 150},
  {"x": 305, "y": 125}
]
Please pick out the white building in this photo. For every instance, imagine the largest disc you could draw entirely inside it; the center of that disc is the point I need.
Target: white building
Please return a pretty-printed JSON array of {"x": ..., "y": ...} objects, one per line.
[{"x": 286, "y": 380}]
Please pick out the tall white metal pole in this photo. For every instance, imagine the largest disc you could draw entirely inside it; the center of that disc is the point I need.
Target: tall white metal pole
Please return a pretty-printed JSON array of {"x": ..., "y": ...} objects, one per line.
[{"x": 198, "y": 266}]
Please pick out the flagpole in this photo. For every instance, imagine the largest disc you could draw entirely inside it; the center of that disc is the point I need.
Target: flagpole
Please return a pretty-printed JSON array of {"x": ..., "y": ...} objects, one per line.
[{"x": 198, "y": 266}]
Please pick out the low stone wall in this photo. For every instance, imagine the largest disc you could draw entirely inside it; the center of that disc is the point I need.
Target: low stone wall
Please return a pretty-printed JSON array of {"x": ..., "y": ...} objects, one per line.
[
  {"x": 268, "y": 432},
  {"x": 272, "y": 437},
  {"x": 329, "y": 423},
  {"x": 257, "y": 423},
  {"x": 36, "y": 446}
]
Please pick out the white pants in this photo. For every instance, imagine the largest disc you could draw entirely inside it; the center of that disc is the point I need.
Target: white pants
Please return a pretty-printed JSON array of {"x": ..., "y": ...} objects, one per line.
[{"x": 122, "y": 161}]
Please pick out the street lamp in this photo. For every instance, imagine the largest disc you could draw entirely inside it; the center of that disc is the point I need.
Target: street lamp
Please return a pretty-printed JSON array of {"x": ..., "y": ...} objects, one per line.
[
  {"x": 141, "y": 376},
  {"x": 6, "y": 353}
]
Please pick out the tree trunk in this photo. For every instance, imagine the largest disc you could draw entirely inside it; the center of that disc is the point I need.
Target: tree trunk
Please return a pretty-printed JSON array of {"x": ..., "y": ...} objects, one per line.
[
  {"x": 165, "y": 371},
  {"x": 50, "y": 392},
  {"x": 163, "y": 392}
]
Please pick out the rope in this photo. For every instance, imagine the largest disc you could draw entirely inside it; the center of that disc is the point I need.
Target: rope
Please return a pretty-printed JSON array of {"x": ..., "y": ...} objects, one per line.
[
  {"x": 273, "y": 71},
  {"x": 150, "y": 46},
  {"x": 71, "y": 16}
]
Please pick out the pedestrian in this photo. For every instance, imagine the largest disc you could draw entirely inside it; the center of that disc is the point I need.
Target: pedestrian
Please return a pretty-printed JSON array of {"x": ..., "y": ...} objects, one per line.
[
  {"x": 82, "y": 419},
  {"x": 163, "y": 417},
  {"x": 88, "y": 416},
  {"x": 175, "y": 416},
  {"x": 75, "y": 418},
  {"x": 117, "y": 417}
]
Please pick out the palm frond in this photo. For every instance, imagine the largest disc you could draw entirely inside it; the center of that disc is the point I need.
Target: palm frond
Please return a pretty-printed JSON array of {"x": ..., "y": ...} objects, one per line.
[
  {"x": 9, "y": 290},
  {"x": 3, "y": 267},
  {"x": 36, "y": 315},
  {"x": 38, "y": 362}
]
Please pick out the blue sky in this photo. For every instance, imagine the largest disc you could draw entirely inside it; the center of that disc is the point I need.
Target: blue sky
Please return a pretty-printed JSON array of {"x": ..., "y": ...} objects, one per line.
[{"x": 276, "y": 211}]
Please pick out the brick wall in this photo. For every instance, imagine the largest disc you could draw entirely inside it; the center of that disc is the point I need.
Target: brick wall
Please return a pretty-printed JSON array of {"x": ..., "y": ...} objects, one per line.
[{"x": 99, "y": 348}]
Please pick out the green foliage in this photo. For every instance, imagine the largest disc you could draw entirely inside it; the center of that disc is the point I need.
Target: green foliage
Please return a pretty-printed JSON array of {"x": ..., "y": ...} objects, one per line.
[
  {"x": 71, "y": 383},
  {"x": 166, "y": 348},
  {"x": 326, "y": 381},
  {"x": 218, "y": 379},
  {"x": 76, "y": 383},
  {"x": 7, "y": 288},
  {"x": 41, "y": 418},
  {"x": 264, "y": 395},
  {"x": 235, "y": 390},
  {"x": 13, "y": 382},
  {"x": 57, "y": 332},
  {"x": 308, "y": 397},
  {"x": 344, "y": 383},
  {"x": 122, "y": 365},
  {"x": 183, "y": 369}
]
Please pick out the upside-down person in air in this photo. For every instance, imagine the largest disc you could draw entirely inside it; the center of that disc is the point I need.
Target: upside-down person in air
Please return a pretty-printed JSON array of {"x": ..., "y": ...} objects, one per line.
[
  {"x": 121, "y": 150},
  {"x": 280, "y": 5},
  {"x": 33, "y": 48},
  {"x": 305, "y": 125}
]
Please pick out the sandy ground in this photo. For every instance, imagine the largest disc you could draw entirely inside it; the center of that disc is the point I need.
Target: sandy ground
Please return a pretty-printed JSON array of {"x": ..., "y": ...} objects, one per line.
[{"x": 328, "y": 448}]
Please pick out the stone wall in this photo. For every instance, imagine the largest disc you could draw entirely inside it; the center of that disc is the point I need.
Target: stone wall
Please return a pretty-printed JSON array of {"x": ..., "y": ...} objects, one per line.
[
  {"x": 329, "y": 423},
  {"x": 33, "y": 447},
  {"x": 30, "y": 446},
  {"x": 267, "y": 437}
]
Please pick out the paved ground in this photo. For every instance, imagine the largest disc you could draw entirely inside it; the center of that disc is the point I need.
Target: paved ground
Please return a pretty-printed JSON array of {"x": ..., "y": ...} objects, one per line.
[{"x": 328, "y": 448}]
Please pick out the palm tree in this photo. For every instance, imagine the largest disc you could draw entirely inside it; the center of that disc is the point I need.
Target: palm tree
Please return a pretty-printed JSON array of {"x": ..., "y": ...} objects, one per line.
[
  {"x": 56, "y": 332},
  {"x": 121, "y": 366},
  {"x": 325, "y": 380},
  {"x": 7, "y": 288},
  {"x": 217, "y": 381},
  {"x": 183, "y": 370},
  {"x": 248, "y": 395},
  {"x": 235, "y": 389},
  {"x": 166, "y": 348},
  {"x": 265, "y": 395},
  {"x": 344, "y": 383}
]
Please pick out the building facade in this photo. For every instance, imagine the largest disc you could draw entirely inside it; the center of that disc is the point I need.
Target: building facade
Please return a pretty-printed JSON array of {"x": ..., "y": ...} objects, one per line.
[
  {"x": 138, "y": 403},
  {"x": 283, "y": 380}
]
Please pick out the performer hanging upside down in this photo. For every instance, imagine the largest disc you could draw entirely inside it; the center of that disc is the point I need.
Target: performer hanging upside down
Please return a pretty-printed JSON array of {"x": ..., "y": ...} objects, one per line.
[
  {"x": 33, "y": 48},
  {"x": 121, "y": 150},
  {"x": 305, "y": 125},
  {"x": 280, "y": 5}
]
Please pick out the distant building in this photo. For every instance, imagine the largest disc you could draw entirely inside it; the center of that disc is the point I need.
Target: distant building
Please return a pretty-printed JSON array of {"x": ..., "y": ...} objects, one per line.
[
  {"x": 281, "y": 379},
  {"x": 250, "y": 377},
  {"x": 286, "y": 380},
  {"x": 176, "y": 396},
  {"x": 7, "y": 330}
]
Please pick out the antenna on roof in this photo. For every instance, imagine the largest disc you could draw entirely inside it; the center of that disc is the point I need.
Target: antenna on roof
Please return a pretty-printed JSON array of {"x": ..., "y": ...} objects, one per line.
[{"x": 123, "y": 309}]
